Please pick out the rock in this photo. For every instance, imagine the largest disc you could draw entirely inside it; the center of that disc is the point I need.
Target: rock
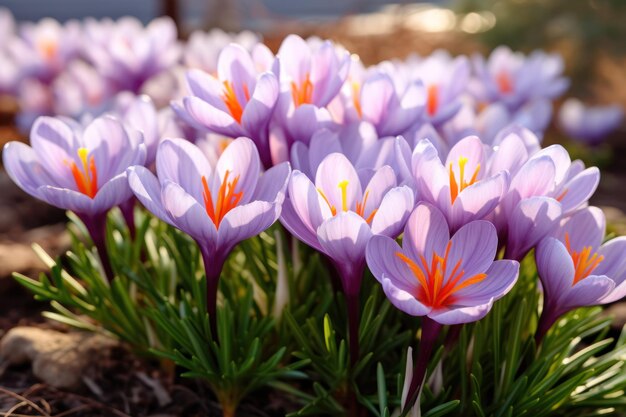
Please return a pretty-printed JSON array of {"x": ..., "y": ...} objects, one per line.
[
  {"x": 618, "y": 312},
  {"x": 58, "y": 359},
  {"x": 17, "y": 257}
]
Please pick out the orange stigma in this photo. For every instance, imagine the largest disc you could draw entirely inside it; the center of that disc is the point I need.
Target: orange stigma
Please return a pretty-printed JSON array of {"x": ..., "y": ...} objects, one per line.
[
  {"x": 505, "y": 84},
  {"x": 227, "y": 198},
  {"x": 356, "y": 98},
  {"x": 457, "y": 187},
  {"x": 432, "y": 102},
  {"x": 303, "y": 93},
  {"x": 87, "y": 178},
  {"x": 232, "y": 103},
  {"x": 435, "y": 290},
  {"x": 584, "y": 261},
  {"x": 48, "y": 49},
  {"x": 360, "y": 206}
]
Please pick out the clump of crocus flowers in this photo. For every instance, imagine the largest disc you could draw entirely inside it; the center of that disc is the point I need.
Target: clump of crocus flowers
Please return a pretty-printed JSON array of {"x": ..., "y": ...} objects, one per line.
[{"x": 400, "y": 150}]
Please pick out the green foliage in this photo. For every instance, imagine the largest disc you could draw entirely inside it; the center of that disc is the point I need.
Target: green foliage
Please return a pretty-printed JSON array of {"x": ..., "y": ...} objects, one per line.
[{"x": 282, "y": 327}]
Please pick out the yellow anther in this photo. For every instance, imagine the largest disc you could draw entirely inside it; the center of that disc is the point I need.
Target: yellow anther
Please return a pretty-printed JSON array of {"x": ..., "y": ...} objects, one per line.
[{"x": 344, "y": 194}]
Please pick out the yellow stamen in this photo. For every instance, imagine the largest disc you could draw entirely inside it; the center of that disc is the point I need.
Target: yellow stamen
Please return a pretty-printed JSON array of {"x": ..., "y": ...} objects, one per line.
[
  {"x": 303, "y": 93},
  {"x": 457, "y": 186},
  {"x": 343, "y": 185},
  {"x": 87, "y": 179}
]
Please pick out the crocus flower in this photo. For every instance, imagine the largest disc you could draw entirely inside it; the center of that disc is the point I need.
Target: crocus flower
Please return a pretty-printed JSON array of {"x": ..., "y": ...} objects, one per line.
[
  {"x": 445, "y": 79},
  {"x": 311, "y": 75},
  {"x": 339, "y": 213},
  {"x": 589, "y": 124},
  {"x": 390, "y": 107},
  {"x": 80, "y": 90},
  {"x": 43, "y": 49},
  {"x": 460, "y": 187},
  {"x": 577, "y": 270},
  {"x": 239, "y": 101},
  {"x": 203, "y": 48},
  {"x": 128, "y": 54},
  {"x": 81, "y": 171},
  {"x": 514, "y": 79},
  {"x": 218, "y": 206},
  {"x": 359, "y": 142},
  {"x": 445, "y": 280},
  {"x": 543, "y": 188}
]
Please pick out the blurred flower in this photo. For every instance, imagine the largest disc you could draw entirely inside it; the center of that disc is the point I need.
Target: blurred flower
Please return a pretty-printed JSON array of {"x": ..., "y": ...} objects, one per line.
[
  {"x": 589, "y": 124},
  {"x": 80, "y": 90},
  {"x": 203, "y": 48},
  {"x": 218, "y": 206},
  {"x": 577, "y": 270},
  {"x": 514, "y": 79}
]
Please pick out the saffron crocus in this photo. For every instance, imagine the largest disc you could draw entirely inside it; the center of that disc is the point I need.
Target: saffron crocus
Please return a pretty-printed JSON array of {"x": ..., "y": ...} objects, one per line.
[
  {"x": 390, "y": 107},
  {"x": 81, "y": 171},
  {"x": 218, "y": 206},
  {"x": 545, "y": 187},
  {"x": 359, "y": 142},
  {"x": 589, "y": 124},
  {"x": 514, "y": 79},
  {"x": 239, "y": 101},
  {"x": 577, "y": 270},
  {"x": 460, "y": 187},
  {"x": 311, "y": 75},
  {"x": 338, "y": 215},
  {"x": 129, "y": 54},
  {"x": 445, "y": 280},
  {"x": 445, "y": 79}
]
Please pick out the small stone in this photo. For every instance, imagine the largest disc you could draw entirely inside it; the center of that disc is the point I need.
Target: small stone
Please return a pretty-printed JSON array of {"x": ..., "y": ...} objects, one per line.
[
  {"x": 17, "y": 257},
  {"x": 58, "y": 359}
]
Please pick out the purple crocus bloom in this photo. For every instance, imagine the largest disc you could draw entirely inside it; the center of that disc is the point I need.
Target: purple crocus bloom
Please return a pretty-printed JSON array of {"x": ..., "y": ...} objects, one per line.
[
  {"x": 445, "y": 79},
  {"x": 589, "y": 124},
  {"x": 81, "y": 171},
  {"x": 311, "y": 75},
  {"x": 140, "y": 113},
  {"x": 446, "y": 280},
  {"x": 80, "y": 90},
  {"x": 577, "y": 270},
  {"x": 129, "y": 54},
  {"x": 239, "y": 101},
  {"x": 337, "y": 215},
  {"x": 203, "y": 48},
  {"x": 43, "y": 49},
  {"x": 389, "y": 106},
  {"x": 359, "y": 142},
  {"x": 543, "y": 188},
  {"x": 460, "y": 187},
  {"x": 218, "y": 206},
  {"x": 514, "y": 79}
]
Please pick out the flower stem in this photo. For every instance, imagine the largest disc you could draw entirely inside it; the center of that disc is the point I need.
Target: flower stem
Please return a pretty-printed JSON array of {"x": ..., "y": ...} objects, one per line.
[
  {"x": 128, "y": 211},
  {"x": 352, "y": 301},
  {"x": 548, "y": 317},
  {"x": 96, "y": 226},
  {"x": 430, "y": 332},
  {"x": 213, "y": 264}
]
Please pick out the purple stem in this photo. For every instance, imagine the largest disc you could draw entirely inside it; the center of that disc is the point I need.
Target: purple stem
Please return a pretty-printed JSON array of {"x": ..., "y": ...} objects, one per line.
[
  {"x": 453, "y": 336},
  {"x": 96, "y": 226},
  {"x": 352, "y": 301},
  {"x": 128, "y": 211},
  {"x": 549, "y": 315},
  {"x": 430, "y": 332},
  {"x": 213, "y": 264}
]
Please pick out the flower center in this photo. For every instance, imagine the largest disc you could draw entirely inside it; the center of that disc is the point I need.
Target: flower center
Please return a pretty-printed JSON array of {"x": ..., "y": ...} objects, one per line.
[
  {"x": 232, "y": 102},
  {"x": 360, "y": 206},
  {"x": 437, "y": 287},
  {"x": 227, "y": 198},
  {"x": 505, "y": 84},
  {"x": 457, "y": 186},
  {"x": 433, "y": 99},
  {"x": 86, "y": 176},
  {"x": 356, "y": 98},
  {"x": 584, "y": 261},
  {"x": 48, "y": 49},
  {"x": 303, "y": 93}
]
